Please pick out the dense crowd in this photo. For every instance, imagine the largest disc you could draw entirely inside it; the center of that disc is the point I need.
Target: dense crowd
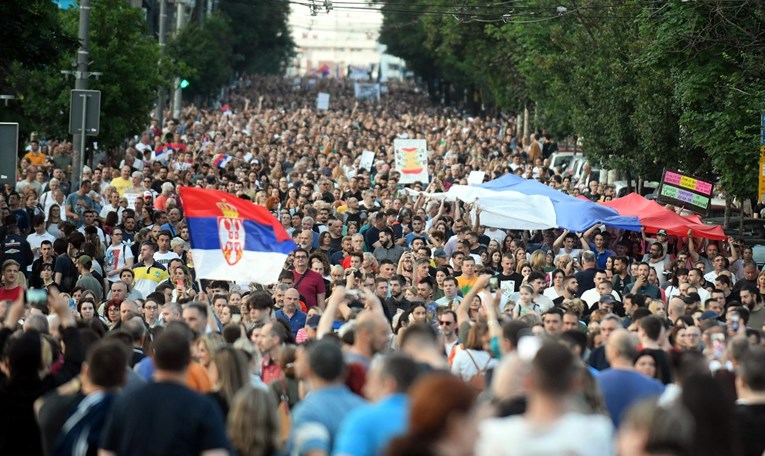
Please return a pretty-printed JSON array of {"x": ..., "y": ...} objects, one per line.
[{"x": 400, "y": 325}]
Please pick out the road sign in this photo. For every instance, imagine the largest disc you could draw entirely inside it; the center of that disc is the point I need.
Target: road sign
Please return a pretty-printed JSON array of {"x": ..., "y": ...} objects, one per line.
[
  {"x": 85, "y": 112},
  {"x": 9, "y": 152}
]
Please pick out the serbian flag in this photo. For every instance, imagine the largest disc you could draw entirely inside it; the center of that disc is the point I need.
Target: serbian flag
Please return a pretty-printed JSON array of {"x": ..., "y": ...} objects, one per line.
[
  {"x": 234, "y": 239},
  {"x": 221, "y": 160}
]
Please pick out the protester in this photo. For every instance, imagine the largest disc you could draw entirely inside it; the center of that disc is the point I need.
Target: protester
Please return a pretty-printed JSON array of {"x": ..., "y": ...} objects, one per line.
[{"x": 393, "y": 257}]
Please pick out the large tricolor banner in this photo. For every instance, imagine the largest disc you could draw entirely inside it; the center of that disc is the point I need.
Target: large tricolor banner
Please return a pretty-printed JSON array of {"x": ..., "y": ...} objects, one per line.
[{"x": 234, "y": 239}]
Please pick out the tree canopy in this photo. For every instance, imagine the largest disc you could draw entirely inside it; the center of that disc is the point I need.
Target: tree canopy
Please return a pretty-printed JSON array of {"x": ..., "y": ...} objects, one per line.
[{"x": 644, "y": 85}]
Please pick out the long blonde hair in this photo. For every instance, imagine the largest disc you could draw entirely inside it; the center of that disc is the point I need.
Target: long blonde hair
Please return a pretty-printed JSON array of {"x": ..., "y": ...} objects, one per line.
[
  {"x": 233, "y": 371},
  {"x": 253, "y": 425}
]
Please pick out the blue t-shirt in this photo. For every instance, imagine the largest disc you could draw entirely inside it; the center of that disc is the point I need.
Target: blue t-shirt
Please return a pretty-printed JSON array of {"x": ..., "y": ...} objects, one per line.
[
  {"x": 622, "y": 388},
  {"x": 367, "y": 430},
  {"x": 296, "y": 322},
  {"x": 316, "y": 419}
]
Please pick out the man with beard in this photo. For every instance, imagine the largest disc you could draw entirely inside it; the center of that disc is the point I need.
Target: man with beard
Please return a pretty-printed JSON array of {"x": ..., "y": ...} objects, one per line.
[
  {"x": 396, "y": 300},
  {"x": 570, "y": 288},
  {"x": 658, "y": 261},
  {"x": 751, "y": 299}
]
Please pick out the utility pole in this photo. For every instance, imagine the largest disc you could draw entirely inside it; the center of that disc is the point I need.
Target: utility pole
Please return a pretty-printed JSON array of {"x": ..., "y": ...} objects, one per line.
[
  {"x": 162, "y": 41},
  {"x": 81, "y": 83},
  {"x": 180, "y": 17}
]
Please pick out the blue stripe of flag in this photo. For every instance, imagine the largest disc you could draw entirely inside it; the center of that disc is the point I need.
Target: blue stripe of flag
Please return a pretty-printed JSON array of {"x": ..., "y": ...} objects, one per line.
[{"x": 258, "y": 238}]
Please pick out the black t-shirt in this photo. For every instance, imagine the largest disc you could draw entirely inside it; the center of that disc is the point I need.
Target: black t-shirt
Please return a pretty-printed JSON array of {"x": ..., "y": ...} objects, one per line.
[
  {"x": 164, "y": 418},
  {"x": 69, "y": 273},
  {"x": 586, "y": 280},
  {"x": 662, "y": 364},
  {"x": 750, "y": 420},
  {"x": 515, "y": 278},
  {"x": 371, "y": 236}
]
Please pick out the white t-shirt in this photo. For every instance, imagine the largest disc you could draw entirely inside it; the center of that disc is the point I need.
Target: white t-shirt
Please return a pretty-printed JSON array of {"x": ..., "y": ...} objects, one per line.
[
  {"x": 464, "y": 367},
  {"x": 116, "y": 255},
  {"x": 164, "y": 258},
  {"x": 109, "y": 208},
  {"x": 592, "y": 296},
  {"x": 573, "y": 433},
  {"x": 574, "y": 253},
  {"x": 35, "y": 240}
]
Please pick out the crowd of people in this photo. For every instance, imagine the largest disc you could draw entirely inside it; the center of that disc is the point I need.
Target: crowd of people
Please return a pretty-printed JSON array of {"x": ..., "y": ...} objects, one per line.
[{"x": 399, "y": 325}]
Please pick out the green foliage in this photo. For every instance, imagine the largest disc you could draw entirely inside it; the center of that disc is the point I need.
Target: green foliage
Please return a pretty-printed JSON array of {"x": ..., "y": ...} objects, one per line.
[
  {"x": 31, "y": 48},
  {"x": 120, "y": 49},
  {"x": 646, "y": 85},
  {"x": 203, "y": 55},
  {"x": 260, "y": 35}
]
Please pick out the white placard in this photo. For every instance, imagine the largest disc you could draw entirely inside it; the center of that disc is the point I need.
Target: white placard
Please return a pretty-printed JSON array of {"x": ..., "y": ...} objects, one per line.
[
  {"x": 322, "y": 101},
  {"x": 411, "y": 160},
  {"x": 131, "y": 197},
  {"x": 475, "y": 177},
  {"x": 367, "y": 160},
  {"x": 366, "y": 91}
]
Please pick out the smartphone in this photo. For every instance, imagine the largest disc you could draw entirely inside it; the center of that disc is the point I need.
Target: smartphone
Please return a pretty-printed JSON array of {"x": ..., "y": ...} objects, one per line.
[
  {"x": 718, "y": 344},
  {"x": 35, "y": 296},
  {"x": 236, "y": 318},
  {"x": 493, "y": 284},
  {"x": 735, "y": 318}
]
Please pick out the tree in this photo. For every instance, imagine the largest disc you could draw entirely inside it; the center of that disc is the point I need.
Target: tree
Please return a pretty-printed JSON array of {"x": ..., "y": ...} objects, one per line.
[
  {"x": 204, "y": 55},
  {"x": 261, "y": 37},
  {"x": 122, "y": 51},
  {"x": 31, "y": 37},
  {"x": 716, "y": 51}
]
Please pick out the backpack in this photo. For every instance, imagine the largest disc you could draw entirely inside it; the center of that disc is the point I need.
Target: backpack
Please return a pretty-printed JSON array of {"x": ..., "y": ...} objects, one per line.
[{"x": 478, "y": 381}]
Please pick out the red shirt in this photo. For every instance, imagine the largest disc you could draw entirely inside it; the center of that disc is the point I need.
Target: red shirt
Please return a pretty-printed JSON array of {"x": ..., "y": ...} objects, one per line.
[
  {"x": 270, "y": 370},
  {"x": 310, "y": 286},
  {"x": 11, "y": 295}
]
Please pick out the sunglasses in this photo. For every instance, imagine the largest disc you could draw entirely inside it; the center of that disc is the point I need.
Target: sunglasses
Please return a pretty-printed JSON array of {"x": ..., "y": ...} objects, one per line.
[{"x": 445, "y": 323}]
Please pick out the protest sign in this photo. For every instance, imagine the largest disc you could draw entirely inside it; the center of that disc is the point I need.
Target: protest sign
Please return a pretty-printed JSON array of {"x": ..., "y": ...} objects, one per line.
[{"x": 411, "y": 157}]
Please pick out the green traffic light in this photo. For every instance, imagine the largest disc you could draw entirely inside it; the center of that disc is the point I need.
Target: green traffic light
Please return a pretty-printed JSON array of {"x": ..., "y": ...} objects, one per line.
[{"x": 184, "y": 83}]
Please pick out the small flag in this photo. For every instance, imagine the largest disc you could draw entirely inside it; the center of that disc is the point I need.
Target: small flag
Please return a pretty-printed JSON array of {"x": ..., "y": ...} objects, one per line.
[
  {"x": 234, "y": 239},
  {"x": 221, "y": 160}
]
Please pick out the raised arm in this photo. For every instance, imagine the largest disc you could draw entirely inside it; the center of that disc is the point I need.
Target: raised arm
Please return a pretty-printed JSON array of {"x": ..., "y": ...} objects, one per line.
[
  {"x": 583, "y": 241},
  {"x": 559, "y": 240},
  {"x": 692, "y": 247},
  {"x": 463, "y": 310},
  {"x": 337, "y": 301}
]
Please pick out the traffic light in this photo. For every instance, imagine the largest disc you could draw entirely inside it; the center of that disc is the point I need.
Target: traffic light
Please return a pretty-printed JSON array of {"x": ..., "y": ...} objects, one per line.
[{"x": 184, "y": 83}]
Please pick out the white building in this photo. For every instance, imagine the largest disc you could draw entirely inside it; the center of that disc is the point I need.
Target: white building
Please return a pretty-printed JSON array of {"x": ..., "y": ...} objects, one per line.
[{"x": 329, "y": 42}]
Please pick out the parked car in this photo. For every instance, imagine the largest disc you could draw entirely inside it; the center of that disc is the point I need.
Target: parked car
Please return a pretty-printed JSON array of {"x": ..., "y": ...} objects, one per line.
[{"x": 649, "y": 188}]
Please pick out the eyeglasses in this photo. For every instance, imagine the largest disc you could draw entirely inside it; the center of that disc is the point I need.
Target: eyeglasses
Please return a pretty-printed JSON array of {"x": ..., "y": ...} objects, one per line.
[
  {"x": 444, "y": 323},
  {"x": 300, "y": 257}
]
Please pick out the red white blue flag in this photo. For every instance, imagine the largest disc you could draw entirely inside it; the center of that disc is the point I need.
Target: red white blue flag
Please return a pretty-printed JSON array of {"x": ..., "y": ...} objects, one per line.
[{"x": 232, "y": 238}]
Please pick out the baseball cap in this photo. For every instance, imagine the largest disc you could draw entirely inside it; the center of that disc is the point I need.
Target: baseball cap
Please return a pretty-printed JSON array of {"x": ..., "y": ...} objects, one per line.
[
  {"x": 662, "y": 232},
  {"x": 709, "y": 315},
  {"x": 607, "y": 298},
  {"x": 84, "y": 259},
  {"x": 148, "y": 194},
  {"x": 440, "y": 253}
]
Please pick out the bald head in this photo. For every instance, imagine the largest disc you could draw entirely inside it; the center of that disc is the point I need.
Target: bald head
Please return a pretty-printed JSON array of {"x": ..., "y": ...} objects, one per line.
[
  {"x": 291, "y": 300},
  {"x": 126, "y": 307},
  {"x": 621, "y": 348},
  {"x": 371, "y": 333},
  {"x": 676, "y": 307}
]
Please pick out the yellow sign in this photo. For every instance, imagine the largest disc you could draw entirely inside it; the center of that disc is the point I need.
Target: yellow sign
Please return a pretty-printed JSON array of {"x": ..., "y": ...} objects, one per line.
[{"x": 761, "y": 189}]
